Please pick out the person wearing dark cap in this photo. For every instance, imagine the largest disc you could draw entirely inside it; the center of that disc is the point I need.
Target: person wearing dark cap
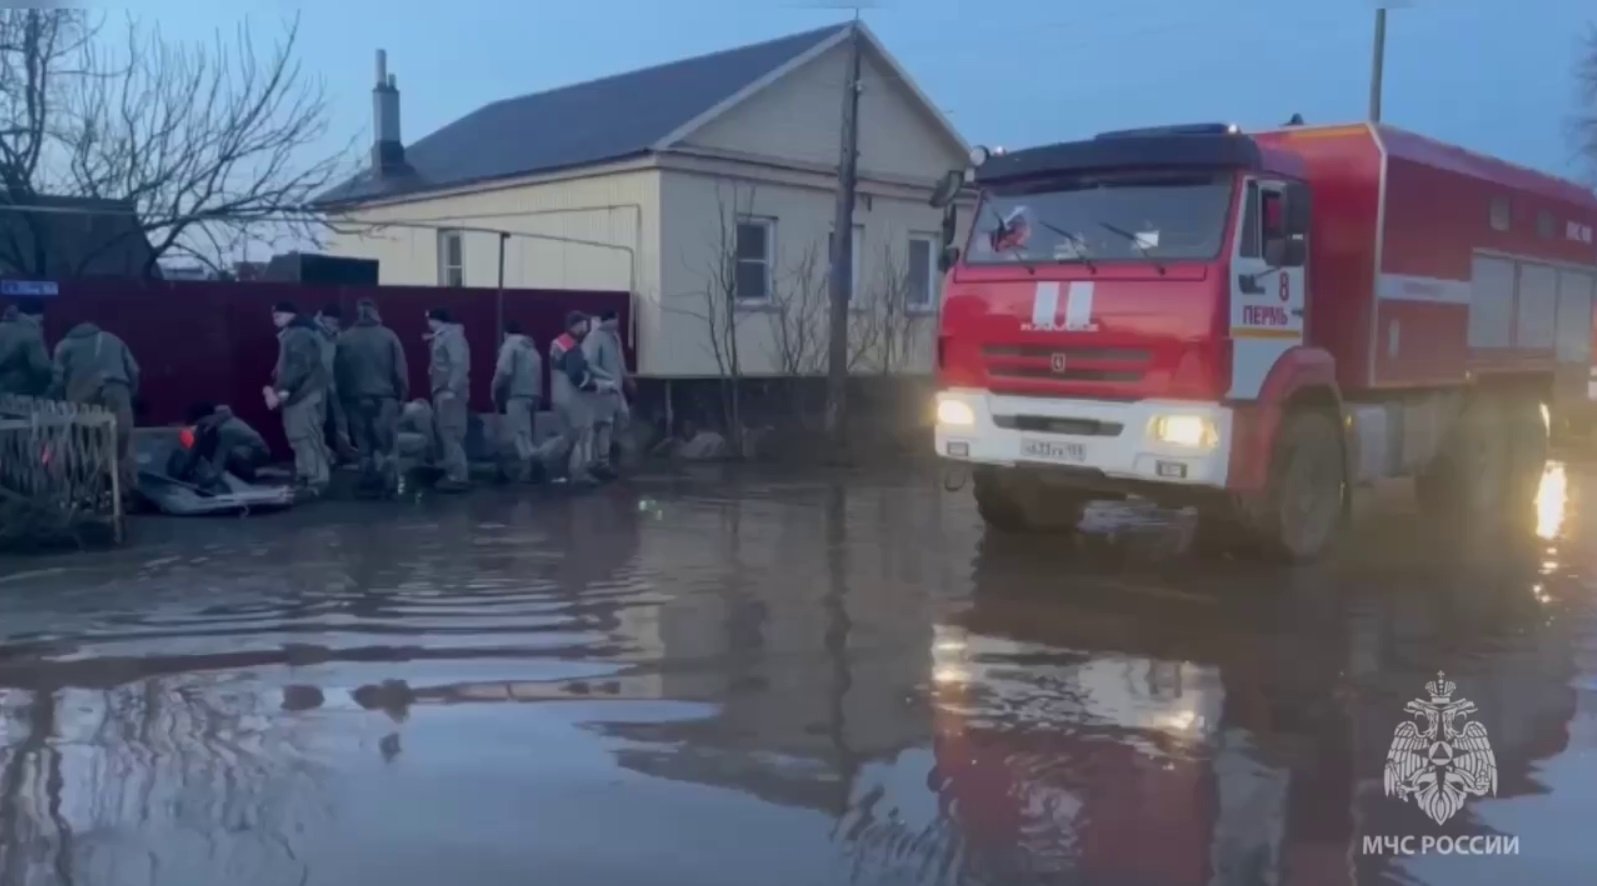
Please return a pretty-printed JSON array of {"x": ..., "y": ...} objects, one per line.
[
  {"x": 299, "y": 387},
  {"x": 571, "y": 385},
  {"x": 330, "y": 322},
  {"x": 602, "y": 347},
  {"x": 24, "y": 361},
  {"x": 449, "y": 374},
  {"x": 373, "y": 379}
]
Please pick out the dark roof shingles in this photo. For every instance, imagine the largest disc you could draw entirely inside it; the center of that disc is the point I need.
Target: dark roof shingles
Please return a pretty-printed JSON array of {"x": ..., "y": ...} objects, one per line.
[{"x": 576, "y": 125}]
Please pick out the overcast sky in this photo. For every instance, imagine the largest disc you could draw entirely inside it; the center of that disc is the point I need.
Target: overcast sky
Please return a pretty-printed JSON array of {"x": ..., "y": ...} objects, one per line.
[{"x": 1492, "y": 75}]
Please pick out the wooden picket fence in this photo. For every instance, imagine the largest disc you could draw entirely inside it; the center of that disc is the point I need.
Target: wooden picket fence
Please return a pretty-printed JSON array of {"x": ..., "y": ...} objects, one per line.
[{"x": 58, "y": 472}]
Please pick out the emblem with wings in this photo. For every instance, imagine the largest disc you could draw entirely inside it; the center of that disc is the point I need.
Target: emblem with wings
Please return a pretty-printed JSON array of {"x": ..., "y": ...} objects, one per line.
[{"x": 1437, "y": 760}]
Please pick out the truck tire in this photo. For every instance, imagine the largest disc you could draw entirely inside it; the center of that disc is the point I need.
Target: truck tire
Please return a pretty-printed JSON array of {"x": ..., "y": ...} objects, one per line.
[
  {"x": 1009, "y": 504},
  {"x": 1466, "y": 480},
  {"x": 1308, "y": 487}
]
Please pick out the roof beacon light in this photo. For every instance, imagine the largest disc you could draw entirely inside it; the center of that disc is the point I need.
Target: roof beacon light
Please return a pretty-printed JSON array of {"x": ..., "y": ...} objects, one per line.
[{"x": 1232, "y": 129}]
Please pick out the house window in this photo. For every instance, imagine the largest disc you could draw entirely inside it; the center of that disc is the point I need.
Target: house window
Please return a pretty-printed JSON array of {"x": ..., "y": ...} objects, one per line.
[
  {"x": 1546, "y": 225},
  {"x": 451, "y": 258},
  {"x": 752, "y": 276},
  {"x": 1500, "y": 213},
  {"x": 923, "y": 275},
  {"x": 858, "y": 253}
]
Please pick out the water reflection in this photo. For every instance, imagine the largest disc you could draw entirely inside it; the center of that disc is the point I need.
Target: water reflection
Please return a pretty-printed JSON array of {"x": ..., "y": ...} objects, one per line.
[
  {"x": 851, "y": 677},
  {"x": 1552, "y": 497}
]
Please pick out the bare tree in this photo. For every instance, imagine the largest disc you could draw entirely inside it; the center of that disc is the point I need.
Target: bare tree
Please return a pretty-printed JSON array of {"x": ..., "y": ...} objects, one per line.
[
  {"x": 886, "y": 324},
  {"x": 40, "y": 53},
  {"x": 896, "y": 318},
  {"x": 799, "y": 316},
  {"x": 192, "y": 147},
  {"x": 719, "y": 310}
]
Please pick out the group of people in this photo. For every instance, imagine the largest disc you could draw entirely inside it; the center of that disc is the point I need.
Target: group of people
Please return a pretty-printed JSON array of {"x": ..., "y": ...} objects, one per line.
[
  {"x": 346, "y": 391},
  {"x": 89, "y": 366}
]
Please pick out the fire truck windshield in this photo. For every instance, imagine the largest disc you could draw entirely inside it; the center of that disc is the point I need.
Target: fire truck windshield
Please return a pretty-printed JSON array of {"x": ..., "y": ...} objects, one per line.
[{"x": 1118, "y": 217}]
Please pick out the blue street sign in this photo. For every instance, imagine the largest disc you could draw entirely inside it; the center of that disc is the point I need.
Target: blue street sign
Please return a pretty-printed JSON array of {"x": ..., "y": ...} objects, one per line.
[{"x": 29, "y": 288}]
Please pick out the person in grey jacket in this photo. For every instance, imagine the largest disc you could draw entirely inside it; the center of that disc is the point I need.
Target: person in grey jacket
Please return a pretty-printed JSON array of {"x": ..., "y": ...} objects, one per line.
[
  {"x": 299, "y": 388},
  {"x": 24, "y": 362},
  {"x": 449, "y": 376},
  {"x": 96, "y": 367},
  {"x": 330, "y": 323},
  {"x": 517, "y": 388},
  {"x": 608, "y": 362},
  {"x": 372, "y": 377}
]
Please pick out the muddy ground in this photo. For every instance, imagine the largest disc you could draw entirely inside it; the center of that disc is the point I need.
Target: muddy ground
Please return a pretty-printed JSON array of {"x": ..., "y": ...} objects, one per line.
[{"x": 781, "y": 678}]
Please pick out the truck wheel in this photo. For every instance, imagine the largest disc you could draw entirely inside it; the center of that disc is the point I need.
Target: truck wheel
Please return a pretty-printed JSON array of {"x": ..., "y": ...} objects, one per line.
[
  {"x": 1308, "y": 485},
  {"x": 1008, "y": 503},
  {"x": 1466, "y": 479}
]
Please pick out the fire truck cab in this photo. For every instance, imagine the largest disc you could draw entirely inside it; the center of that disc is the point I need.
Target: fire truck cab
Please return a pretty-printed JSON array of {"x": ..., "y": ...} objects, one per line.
[{"x": 1252, "y": 324}]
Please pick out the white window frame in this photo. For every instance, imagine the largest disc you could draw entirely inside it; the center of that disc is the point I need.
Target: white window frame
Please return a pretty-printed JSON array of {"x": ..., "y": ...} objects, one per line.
[
  {"x": 934, "y": 278},
  {"x": 768, "y": 261},
  {"x": 858, "y": 247},
  {"x": 1501, "y": 213},
  {"x": 451, "y": 275}
]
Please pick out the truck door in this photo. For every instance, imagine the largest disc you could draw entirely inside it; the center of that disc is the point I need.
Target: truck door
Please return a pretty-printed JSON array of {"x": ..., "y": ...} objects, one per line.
[{"x": 1267, "y": 282}]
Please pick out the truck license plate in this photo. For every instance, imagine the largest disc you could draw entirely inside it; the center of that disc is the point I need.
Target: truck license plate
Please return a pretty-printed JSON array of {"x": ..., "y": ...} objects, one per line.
[{"x": 1048, "y": 450}]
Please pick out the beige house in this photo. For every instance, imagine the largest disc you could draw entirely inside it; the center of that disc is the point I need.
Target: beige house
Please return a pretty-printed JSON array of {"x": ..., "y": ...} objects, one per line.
[{"x": 690, "y": 184}]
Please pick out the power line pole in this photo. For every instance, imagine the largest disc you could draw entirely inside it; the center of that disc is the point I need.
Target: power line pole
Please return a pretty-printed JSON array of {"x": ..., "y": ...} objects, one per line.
[
  {"x": 842, "y": 283},
  {"x": 1377, "y": 64}
]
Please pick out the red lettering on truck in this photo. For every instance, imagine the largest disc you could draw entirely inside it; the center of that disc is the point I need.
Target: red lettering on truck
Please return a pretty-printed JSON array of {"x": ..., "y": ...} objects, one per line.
[{"x": 1264, "y": 315}]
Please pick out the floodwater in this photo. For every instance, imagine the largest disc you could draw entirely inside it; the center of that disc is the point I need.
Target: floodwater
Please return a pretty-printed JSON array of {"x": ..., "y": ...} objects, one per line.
[{"x": 782, "y": 679}]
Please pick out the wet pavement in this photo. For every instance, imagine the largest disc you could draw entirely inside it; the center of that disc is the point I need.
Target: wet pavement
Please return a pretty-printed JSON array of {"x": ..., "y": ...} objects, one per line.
[{"x": 781, "y": 679}]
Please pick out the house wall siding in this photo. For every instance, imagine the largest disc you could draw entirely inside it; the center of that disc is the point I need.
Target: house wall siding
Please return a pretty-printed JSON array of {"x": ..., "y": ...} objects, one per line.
[
  {"x": 800, "y": 117},
  {"x": 617, "y": 208},
  {"x": 801, "y": 220}
]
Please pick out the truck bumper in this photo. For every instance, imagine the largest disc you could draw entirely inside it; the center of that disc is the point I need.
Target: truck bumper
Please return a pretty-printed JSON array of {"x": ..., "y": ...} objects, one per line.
[{"x": 1101, "y": 442}]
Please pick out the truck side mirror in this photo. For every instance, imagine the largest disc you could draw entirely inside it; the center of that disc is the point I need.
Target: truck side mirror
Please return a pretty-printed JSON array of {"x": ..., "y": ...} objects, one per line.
[
  {"x": 948, "y": 188},
  {"x": 947, "y": 258},
  {"x": 950, "y": 224}
]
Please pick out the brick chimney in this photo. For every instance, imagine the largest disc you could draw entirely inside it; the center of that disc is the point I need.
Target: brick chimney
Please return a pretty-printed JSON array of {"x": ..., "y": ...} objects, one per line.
[{"x": 388, "y": 153}]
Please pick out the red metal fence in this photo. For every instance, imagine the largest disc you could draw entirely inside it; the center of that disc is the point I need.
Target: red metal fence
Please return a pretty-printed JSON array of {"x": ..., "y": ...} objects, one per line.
[{"x": 214, "y": 341}]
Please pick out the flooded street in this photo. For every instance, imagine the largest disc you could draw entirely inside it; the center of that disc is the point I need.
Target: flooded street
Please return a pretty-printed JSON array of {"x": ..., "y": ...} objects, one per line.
[{"x": 780, "y": 678}]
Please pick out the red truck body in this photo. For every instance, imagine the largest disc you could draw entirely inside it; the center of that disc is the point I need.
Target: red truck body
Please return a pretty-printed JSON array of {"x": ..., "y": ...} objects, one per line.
[
  {"x": 1141, "y": 311},
  {"x": 1402, "y": 224}
]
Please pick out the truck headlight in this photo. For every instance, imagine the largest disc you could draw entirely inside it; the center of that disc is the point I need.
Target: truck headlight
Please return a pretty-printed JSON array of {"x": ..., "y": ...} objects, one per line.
[
  {"x": 1194, "y": 431},
  {"x": 955, "y": 412}
]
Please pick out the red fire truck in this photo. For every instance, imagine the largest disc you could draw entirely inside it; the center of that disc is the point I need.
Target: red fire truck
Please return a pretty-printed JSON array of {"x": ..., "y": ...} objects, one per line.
[{"x": 1254, "y": 324}]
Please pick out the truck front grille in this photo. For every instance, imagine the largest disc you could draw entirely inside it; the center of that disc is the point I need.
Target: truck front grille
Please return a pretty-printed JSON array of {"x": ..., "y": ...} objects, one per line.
[
  {"x": 1042, "y": 424},
  {"x": 1041, "y": 362}
]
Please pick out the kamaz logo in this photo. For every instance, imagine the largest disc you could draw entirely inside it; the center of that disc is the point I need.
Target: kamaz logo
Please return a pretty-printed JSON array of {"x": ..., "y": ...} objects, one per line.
[{"x": 1056, "y": 362}]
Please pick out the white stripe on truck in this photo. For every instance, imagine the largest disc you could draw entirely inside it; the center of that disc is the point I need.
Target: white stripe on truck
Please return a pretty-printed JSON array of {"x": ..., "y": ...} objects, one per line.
[
  {"x": 1044, "y": 305},
  {"x": 1078, "y": 305}
]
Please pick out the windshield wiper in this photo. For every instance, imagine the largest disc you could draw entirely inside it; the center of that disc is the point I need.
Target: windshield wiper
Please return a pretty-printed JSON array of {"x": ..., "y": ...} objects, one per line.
[
  {"x": 1080, "y": 241},
  {"x": 1137, "y": 242},
  {"x": 1001, "y": 228}
]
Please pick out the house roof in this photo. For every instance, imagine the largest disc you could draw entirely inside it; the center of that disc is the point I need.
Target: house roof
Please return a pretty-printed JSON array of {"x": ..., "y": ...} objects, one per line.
[
  {"x": 72, "y": 237},
  {"x": 608, "y": 119}
]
